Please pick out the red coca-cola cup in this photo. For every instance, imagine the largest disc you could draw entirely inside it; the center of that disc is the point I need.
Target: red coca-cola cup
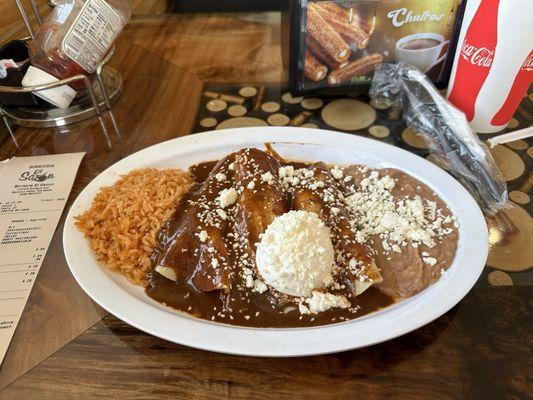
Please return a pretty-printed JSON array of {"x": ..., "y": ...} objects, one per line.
[{"x": 493, "y": 66}]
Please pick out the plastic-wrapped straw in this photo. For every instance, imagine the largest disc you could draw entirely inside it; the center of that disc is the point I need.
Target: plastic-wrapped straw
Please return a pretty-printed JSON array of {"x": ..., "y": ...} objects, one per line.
[{"x": 445, "y": 128}]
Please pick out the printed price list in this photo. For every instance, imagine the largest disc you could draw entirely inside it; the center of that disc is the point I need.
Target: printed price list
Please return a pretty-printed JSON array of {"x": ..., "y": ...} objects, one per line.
[{"x": 34, "y": 192}]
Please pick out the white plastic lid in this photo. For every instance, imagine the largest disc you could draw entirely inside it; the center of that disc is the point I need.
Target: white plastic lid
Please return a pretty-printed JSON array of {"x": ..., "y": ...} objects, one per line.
[{"x": 60, "y": 96}]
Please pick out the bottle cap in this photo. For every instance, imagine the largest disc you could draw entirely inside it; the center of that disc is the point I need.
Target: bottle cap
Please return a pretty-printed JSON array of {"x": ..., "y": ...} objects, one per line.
[{"x": 60, "y": 96}]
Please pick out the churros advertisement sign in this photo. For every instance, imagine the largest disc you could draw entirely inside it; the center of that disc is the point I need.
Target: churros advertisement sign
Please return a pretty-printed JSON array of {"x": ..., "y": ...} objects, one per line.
[{"x": 338, "y": 44}]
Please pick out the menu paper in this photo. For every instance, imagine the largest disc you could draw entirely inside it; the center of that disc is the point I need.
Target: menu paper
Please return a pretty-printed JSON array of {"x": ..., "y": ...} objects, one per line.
[{"x": 33, "y": 193}]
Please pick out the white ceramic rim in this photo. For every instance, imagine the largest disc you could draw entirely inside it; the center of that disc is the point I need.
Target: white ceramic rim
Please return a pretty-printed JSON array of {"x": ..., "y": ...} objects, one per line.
[{"x": 130, "y": 304}]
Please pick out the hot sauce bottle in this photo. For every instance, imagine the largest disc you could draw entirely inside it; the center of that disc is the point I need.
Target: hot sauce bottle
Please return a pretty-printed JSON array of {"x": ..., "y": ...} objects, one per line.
[{"x": 75, "y": 37}]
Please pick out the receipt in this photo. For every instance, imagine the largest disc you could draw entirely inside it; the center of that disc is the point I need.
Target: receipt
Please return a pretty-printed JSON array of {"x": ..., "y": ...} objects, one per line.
[{"x": 34, "y": 193}]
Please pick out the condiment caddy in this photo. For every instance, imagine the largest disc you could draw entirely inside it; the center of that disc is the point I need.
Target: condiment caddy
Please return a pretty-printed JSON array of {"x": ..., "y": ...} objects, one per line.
[{"x": 42, "y": 94}]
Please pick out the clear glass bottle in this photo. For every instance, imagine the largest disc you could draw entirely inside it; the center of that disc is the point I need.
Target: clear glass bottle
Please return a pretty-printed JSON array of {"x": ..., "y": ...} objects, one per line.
[{"x": 77, "y": 35}]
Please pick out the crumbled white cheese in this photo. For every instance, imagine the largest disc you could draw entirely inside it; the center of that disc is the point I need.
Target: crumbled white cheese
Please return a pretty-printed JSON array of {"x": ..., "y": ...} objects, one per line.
[
  {"x": 386, "y": 183},
  {"x": 259, "y": 286},
  {"x": 227, "y": 197},
  {"x": 202, "y": 236},
  {"x": 336, "y": 172},
  {"x": 220, "y": 177},
  {"x": 222, "y": 214},
  {"x": 250, "y": 185},
  {"x": 231, "y": 167},
  {"x": 214, "y": 263},
  {"x": 320, "y": 302},
  {"x": 395, "y": 220},
  {"x": 303, "y": 308},
  {"x": 430, "y": 260},
  {"x": 249, "y": 281},
  {"x": 267, "y": 177},
  {"x": 286, "y": 171}
]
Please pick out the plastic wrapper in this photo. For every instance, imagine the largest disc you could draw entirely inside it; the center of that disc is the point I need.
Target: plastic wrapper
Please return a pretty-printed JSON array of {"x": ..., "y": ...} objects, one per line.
[{"x": 445, "y": 128}]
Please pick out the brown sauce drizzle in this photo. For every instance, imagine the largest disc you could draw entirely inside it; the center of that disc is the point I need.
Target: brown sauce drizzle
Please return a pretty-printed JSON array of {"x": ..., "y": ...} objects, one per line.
[
  {"x": 254, "y": 310},
  {"x": 263, "y": 310},
  {"x": 203, "y": 305}
]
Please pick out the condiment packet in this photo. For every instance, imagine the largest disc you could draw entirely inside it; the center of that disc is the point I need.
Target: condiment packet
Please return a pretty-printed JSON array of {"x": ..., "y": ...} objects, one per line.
[
  {"x": 4, "y": 65},
  {"x": 60, "y": 96}
]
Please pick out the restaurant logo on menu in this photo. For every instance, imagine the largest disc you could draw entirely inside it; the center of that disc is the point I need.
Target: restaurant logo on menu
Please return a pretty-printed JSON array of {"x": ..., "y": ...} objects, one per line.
[
  {"x": 403, "y": 16},
  {"x": 37, "y": 175}
]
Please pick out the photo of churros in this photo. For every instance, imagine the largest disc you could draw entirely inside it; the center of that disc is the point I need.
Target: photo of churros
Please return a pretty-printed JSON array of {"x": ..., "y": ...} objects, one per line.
[
  {"x": 336, "y": 39},
  {"x": 336, "y": 45},
  {"x": 358, "y": 67}
]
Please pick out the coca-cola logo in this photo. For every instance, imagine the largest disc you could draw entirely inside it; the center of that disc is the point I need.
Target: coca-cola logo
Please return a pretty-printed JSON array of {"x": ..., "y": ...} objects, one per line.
[
  {"x": 403, "y": 16},
  {"x": 480, "y": 56},
  {"x": 528, "y": 64}
]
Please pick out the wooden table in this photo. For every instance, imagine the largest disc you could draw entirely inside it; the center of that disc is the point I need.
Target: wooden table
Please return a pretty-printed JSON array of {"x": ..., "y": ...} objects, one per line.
[{"x": 68, "y": 347}]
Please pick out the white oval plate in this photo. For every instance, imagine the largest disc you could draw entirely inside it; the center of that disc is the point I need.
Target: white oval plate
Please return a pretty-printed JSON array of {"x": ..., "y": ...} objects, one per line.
[{"x": 128, "y": 302}]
